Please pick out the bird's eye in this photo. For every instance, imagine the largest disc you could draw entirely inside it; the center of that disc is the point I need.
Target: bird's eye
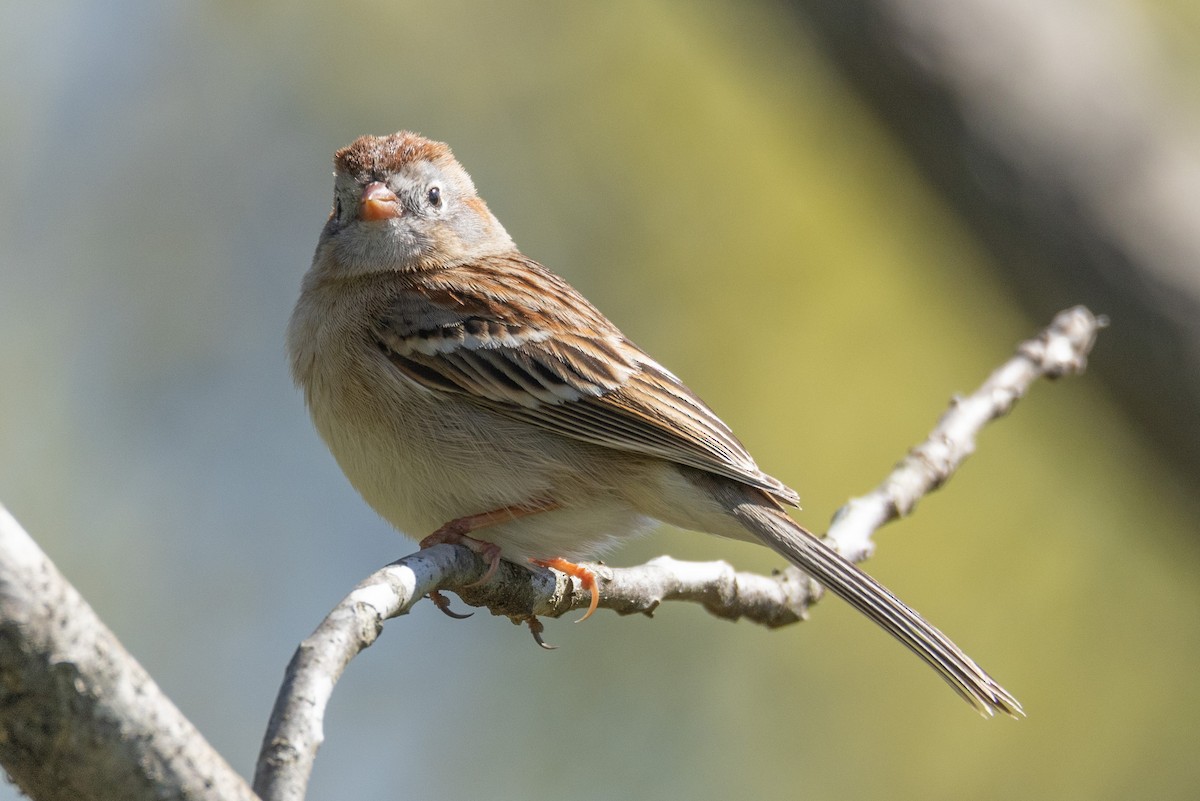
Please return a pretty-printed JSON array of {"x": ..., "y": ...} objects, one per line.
[{"x": 435, "y": 196}]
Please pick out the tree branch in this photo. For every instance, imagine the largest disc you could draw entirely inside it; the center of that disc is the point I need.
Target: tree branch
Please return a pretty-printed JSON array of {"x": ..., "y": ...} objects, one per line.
[
  {"x": 295, "y": 731},
  {"x": 1061, "y": 349},
  {"x": 80, "y": 720}
]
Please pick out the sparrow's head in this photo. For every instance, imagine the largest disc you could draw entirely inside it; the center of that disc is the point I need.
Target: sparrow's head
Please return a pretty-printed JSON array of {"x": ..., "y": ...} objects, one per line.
[{"x": 402, "y": 202}]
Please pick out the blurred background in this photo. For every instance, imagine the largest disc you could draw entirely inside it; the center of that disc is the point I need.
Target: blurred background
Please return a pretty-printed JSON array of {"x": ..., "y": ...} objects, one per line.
[{"x": 890, "y": 195}]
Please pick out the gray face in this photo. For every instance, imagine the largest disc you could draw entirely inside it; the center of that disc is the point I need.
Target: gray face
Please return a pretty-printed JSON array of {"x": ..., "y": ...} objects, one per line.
[{"x": 441, "y": 221}]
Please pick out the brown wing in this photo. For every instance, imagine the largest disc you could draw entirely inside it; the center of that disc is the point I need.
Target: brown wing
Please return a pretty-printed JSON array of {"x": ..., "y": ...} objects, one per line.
[{"x": 513, "y": 336}]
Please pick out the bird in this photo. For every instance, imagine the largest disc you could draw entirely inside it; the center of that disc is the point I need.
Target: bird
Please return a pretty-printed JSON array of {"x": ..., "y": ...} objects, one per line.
[{"x": 473, "y": 396}]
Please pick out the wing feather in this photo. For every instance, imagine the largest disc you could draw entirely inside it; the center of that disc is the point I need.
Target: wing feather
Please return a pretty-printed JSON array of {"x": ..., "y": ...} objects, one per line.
[{"x": 530, "y": 347}]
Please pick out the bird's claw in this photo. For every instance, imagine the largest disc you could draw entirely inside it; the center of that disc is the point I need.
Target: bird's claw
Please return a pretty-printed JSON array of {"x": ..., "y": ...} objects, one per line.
[
  {"x": 443, "y": 605},
  {"x": 586, "y": 578},
  {"x": 536, "y": 627}
]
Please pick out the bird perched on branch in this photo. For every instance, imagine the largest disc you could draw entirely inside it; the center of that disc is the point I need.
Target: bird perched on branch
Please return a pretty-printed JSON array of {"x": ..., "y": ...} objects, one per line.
[{"x": 472, "y": 396}]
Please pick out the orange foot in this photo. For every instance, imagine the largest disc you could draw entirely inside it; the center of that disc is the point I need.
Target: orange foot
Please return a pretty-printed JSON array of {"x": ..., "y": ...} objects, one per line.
[{"x": 586, "y": 577}]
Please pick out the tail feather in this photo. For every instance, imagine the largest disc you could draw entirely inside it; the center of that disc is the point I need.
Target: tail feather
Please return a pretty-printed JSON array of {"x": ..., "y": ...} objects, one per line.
[{"x": 777, "y": 530}]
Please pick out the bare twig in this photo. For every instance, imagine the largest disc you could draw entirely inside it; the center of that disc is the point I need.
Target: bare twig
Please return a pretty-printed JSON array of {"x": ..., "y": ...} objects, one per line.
[
  {"x": 79, "y": 717},
  {"x": 1061, "y": 349},
  {"x": 295, "y": 731}
]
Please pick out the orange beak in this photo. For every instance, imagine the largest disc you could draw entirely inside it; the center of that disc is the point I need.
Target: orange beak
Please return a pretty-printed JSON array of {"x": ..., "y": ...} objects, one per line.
[{"x": 378, "y": 203}]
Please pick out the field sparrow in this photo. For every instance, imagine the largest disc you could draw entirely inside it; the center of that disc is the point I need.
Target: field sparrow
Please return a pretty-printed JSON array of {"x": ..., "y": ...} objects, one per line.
[{"x": 473, "y": 396}]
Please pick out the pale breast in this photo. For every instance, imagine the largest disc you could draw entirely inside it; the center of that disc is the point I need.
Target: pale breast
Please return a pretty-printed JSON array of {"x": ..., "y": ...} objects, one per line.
[{"x": 422, "y": 457}]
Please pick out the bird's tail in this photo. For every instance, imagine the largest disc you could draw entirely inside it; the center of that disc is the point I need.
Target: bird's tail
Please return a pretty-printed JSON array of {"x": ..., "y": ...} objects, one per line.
[{"x": 774, "y": 528}]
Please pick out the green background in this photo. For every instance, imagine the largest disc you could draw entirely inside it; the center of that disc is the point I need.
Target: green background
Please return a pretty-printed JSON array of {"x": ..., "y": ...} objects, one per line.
[{"x": 700, "y": 173}]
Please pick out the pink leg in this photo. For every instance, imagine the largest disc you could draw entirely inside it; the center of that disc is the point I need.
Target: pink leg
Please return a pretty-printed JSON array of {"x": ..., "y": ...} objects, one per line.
[{"x": 457, "y": 532}]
